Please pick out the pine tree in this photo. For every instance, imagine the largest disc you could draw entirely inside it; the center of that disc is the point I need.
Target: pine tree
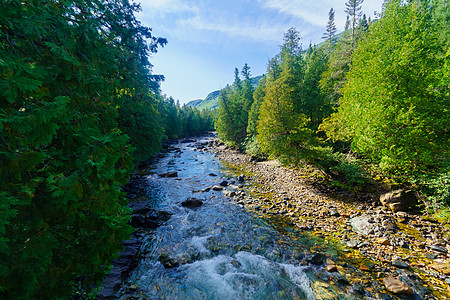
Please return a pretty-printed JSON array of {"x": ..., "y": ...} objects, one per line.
[
  {"x": 282, "y": 128},
  {"x": 353, "y": 9},
  {"x": 330, "y": 33}
]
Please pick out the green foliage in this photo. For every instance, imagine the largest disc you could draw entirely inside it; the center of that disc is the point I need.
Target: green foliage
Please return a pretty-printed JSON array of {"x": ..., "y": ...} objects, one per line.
[
  {"x": 396, "y": 98},
  {"x": 234, "y": 105},
  {"x": 253, "y": 114},
  {"x": 293, "y": 104},
  {"x": 435, "y": 187},
  {"x": 74, "y": 76}
]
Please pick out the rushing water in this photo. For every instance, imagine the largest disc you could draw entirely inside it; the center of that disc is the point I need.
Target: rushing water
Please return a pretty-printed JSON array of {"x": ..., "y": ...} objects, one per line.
[{"x": 221, "y": 250}]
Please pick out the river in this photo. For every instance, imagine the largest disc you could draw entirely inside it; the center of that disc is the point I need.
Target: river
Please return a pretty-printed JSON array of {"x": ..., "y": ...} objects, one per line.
[{"x": 222, "y": 250}]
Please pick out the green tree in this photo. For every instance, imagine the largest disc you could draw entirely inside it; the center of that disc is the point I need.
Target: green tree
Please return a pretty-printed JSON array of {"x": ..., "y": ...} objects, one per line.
[
  {"x": 68, "y": 69},
  {"x": 253, "y": 115},
  {"x": 353, "y": 9},
  {"x": 395, "y": 103},
  {"x": 234, "y": 105},
  {"x": 330, "y": 34},
  {"x": 282, "y": 127},
  {"x": 314, "y": 103}
]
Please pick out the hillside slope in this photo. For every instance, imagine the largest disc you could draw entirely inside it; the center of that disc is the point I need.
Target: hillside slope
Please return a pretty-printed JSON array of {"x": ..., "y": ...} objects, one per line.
[{"x": 212, "y": 100}]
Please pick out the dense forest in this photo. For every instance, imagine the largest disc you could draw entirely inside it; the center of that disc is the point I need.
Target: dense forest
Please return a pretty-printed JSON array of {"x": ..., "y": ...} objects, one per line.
[
  {"x": 370, "y": 103},
  {"x": 79, "y": 109}
]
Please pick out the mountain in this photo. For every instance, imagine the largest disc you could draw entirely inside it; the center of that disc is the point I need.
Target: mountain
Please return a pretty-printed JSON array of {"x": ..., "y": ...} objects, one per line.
[{"x": 212, "y": 100}]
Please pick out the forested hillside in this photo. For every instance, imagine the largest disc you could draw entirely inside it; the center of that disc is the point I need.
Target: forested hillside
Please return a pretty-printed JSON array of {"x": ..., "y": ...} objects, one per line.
[
  {"x": 79, "y": 108},
  {"x": 372, "y": 104},
  {"x": 212, "y": 99}
]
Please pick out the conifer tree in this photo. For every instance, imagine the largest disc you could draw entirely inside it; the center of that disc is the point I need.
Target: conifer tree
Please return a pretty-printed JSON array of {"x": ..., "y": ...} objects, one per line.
[
  {"x": 282, "y": 127},
  {"x": 353, "y": 9},
  {"x": 64, "y": 72},
  {"x": 330, "y": 33},
  {"x": 391, "y": 112}
]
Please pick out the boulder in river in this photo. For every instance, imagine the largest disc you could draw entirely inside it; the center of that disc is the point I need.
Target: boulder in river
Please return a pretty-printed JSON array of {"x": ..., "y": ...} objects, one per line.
[
  {"x": 192, "y": 202},
  {"x": 169, "y": 174},
  {"x": 241, "y": 178},
  {"x": 399, "y": 200},
  {"x": 397, "y": 286}
]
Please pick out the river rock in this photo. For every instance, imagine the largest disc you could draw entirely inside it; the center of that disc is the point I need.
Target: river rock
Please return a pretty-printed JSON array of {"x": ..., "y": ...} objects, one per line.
[
  {"x": 399, "y": 264},
  {"x": 442, "y": 267},
  {"x": 341, "y": 279},
  {"x": 334, "y": 213},
  {"x": 217, "y": 188},
  {"x": 354, "y": 244},
  {"x": 224, "y": 183},
  {"x": 152, "y": 219},
  {"x": 438, "y": 248},
  {"x": 397, "y": 286},
  {"x": 168, "y": 262},
  {"x": 230, "y": 194},
  {"x": 382, "y": 241},
  {"x": 363, "y": 224},
  {"x": 192, "y": 202},
  {"x": 241, "y": 178},
  {"x": 169, "y": 174},
  {"x": 331, "y": 268},
  {"x": 317, "y": 258},
  {"x": 399, "y": 200}
]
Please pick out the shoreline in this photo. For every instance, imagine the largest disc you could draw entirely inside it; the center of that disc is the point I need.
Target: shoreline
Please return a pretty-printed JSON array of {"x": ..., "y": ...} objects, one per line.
[{"x": 396, "y": 244}]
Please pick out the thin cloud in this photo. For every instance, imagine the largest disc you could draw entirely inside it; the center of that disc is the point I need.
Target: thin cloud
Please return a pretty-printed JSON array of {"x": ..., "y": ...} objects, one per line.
[
  {"x": 262, "y": 32},
  {"x": 166, "y": 7},
  {"x": 309, "y": 11}
]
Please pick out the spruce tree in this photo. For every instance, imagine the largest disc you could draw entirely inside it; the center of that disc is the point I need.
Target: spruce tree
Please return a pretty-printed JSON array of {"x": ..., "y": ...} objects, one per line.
[
  {"x": 353, "y": 9},
  {"x": 330, "y": 33},
  {"x": 282, "y": 128}
]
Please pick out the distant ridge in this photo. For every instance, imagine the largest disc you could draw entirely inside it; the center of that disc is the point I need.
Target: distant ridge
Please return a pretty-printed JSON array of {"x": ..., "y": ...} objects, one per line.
[{"x": 212, "y": 100}]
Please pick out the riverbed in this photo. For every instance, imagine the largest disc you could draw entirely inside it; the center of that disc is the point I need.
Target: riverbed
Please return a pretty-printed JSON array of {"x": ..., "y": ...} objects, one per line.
[{"x": 238, "y": 244}]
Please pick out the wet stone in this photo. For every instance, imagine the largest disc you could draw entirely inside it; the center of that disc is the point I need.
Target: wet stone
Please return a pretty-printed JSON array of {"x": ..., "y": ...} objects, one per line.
[
  {"x": 168, "y": 262},
  {"x": 442, "y": 267},
  {"x": 438, "y": 248},
  {"x": 334, "y": 213},
  {"x": 399, "y": 264},
  {"x": 431, "y": 255},
  {"x": 397, "y": 286},
  {"x": 192, "y": 202},
  {"x": 224, "y": 183},
  {"x": 169, "y": 175},
  {"x": 341, "y": 279},
  {"x": 354, "y": 244},
  {"x": 331, "y": 268}
]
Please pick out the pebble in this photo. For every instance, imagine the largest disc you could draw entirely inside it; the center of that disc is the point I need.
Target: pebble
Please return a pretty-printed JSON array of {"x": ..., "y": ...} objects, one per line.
[
  {"x": 397, "y": 286},
  {"x": 399, "y": 264},
  {"x": 438, "y": 248},
  {"x": 382, "y": 241},
  {"x": 331, "y": 268}
]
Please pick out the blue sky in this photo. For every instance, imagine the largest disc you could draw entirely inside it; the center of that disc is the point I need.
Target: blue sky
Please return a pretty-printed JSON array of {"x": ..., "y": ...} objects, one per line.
[{"x": 207, "y": 39}]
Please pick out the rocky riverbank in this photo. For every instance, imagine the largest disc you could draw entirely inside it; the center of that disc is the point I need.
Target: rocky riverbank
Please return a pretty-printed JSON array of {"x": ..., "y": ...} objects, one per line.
[{"x": 397, "y": 253}]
